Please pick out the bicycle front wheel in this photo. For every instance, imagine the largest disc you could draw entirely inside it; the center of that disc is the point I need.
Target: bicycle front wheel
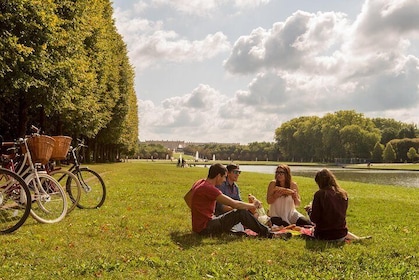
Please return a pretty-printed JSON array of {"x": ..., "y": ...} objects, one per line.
[
  {"x": 49, "y": 201},
  {"x": 15, "y": 201},
  {"x": 72, "y": 187},
  {"x": 93, "y": 188}
]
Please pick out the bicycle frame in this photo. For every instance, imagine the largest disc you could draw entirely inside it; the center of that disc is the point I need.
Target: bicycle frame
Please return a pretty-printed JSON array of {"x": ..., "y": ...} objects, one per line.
[{"x": 27, "y": 167}]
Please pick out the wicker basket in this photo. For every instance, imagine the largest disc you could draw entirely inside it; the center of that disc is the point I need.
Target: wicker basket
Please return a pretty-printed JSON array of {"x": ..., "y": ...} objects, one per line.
[
  {"x": 41, "y": 147},
  {"x": 62, "y": 145}
]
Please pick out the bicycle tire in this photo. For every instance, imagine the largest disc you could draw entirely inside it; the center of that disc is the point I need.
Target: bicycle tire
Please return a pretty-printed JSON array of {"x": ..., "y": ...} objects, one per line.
[
  {"x": 93, "y": 188},
  {"x": 49, "y": 201},
  {"x": 15, "y": 201},
  {"x": 72, "y": 187}
]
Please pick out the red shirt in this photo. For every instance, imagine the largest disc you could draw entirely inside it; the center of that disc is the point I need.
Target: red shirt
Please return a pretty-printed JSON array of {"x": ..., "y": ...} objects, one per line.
[{"x": 203, "y": 204}]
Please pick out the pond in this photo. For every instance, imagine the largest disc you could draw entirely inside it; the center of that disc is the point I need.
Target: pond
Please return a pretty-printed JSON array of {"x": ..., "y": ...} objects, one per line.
[{"x": 371, "y": 176}]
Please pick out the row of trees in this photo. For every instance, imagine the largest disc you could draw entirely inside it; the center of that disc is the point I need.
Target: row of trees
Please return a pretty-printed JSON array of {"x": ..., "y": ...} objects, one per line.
[
  {"x": 65, "y": 68},
  {"x": 252, "y": 151},
  {"x": 344, "y": 135}
]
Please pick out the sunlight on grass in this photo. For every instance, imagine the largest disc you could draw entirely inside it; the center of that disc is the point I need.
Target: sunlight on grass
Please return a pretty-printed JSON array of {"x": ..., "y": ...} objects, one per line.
[{"x": 143, "y": 231}]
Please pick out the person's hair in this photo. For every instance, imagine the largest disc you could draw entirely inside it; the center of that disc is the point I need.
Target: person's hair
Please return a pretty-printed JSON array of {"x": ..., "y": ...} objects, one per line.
[
  {"x": 325, "y": 179},
  {"x": 232, "y": 167},
  {"x": 288, "y": 176},
  {"x": 215, "y": 169}
]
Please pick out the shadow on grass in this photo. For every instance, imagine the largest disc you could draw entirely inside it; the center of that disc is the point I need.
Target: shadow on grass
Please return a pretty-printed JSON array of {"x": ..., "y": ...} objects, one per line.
[
  {"x": 187, "y": 240},
  {"x": 320, "y": 245}
]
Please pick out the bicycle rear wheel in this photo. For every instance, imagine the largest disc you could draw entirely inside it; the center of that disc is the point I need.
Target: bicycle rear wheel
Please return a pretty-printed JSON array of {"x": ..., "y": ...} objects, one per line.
[
  {"x": 49, "y": 201},
  {"x": 15, "y": 202},
  {"x": 93, "y": 188},
  {"x": 72, "y": 187}
]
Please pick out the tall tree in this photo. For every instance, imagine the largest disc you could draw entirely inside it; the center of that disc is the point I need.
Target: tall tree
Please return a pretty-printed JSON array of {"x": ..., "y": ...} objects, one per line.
[
  {"x": 389, "y": 155},
  {"x": 27, "y": 32},
  {"x": 377, "y": 153}
]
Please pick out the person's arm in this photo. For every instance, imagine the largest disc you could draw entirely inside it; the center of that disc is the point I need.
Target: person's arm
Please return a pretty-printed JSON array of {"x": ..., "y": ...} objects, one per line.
[
  {"x": 295, "y": 195},
  {"x": 221, "y": 208},
  {"x": 271, "y": 194},
  {"x": 235, "y": 204},
  {"x": 315, "y": 212},
  {"x": 188, "y": 198},
  {"x": 274, "y": 192}
]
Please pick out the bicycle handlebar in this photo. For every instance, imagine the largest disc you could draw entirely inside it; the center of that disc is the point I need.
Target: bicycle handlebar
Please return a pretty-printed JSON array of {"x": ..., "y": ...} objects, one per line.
[
  {"x": 35, "y": 130},
  {"x": 80, "y": 142}
]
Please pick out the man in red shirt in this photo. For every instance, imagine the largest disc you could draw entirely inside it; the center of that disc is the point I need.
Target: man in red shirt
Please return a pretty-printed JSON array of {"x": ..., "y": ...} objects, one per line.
[{"x": 201, "y": 199}]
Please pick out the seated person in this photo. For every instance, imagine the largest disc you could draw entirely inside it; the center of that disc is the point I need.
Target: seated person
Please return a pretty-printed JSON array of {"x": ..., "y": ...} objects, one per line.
[
  {"x": 201, "y": 199},
  {"x": 328, "y": 209},
  {"x": 283, "y": 197},
  {"x": 230, "y": 188}
]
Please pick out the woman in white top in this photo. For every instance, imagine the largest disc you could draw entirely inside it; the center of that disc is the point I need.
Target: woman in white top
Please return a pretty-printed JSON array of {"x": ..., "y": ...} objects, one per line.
[{"x": 283, "y": 197}]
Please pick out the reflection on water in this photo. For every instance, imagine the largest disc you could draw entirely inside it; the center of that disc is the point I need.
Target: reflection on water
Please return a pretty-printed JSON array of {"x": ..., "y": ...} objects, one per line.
[{"x": 372, "y": 176}]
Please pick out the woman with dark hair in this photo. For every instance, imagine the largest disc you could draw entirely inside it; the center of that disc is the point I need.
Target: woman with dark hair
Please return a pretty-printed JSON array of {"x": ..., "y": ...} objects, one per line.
[
  {"x": 328, "y": 209},
  {"x": 283, "y": 197}
]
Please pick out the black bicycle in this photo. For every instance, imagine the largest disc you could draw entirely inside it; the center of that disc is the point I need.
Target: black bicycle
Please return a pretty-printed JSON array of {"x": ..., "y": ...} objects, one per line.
[{"x": 93, "y": 187}]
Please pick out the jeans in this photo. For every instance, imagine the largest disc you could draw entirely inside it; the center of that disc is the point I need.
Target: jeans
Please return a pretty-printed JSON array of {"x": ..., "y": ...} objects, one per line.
[{"x": 225, "y": 222}]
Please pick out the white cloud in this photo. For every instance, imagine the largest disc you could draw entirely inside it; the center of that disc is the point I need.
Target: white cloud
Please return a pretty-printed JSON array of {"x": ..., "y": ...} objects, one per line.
[
  {"x": 306, "y": 63},
  {"x": 290, "y": 45},
  {"x": 208, "y": 7},
  {"x": 204, "y": 112},
  {"x": 163, "y": 46},
  {"x": 385, "y": 26},
  {"x": 247, "y": 4}
]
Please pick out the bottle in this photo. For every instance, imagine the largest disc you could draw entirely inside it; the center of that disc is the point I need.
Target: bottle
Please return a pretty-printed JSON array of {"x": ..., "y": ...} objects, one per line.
[{"x": 260, "y": 213}]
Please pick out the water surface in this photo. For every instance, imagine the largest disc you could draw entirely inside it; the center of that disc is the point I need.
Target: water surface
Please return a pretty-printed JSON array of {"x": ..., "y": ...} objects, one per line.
[{"x": 371, "y": 176}]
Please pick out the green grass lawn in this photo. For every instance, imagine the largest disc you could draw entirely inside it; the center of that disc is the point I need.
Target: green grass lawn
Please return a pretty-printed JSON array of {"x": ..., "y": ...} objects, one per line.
[{"x": 143, "y": 231}]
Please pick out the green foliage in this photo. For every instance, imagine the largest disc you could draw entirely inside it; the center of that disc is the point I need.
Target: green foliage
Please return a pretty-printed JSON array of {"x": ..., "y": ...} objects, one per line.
[
  {"x": 154, "y": 151},
  {"x": 402, "y": 146},
  {"x": 256, "y": 151},
  {"x": 377, "y": 153},
  {"x": 389, "y": 155},
  {"x": 65, "y": 68},
  {"x": 143, "y": 231},
  {"x": 343, "y": 134},
  {"x": 412, "y": 154}
]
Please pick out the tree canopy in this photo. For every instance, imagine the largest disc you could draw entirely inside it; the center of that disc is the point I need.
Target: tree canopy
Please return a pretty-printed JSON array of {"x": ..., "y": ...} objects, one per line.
[
  {"x": 343, "y": 134},
  {"x": 65, "y": 68}
]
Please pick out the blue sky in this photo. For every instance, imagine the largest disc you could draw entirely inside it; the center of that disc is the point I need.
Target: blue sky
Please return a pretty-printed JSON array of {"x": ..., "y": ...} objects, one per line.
[{"x": 235, "y": 70}]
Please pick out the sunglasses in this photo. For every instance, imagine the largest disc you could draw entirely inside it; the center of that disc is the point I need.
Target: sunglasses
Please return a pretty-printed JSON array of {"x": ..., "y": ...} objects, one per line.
[
  {"x": 236, "y": 172},
  {"x": 280, "y": 172}
]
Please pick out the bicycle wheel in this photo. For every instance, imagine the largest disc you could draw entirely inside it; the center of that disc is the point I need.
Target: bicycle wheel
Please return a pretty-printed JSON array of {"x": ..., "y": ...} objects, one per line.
[
  {"x": 15, "y": 201},
  {"x": 93, "y": 188},
  {"x": 72, "y": 187},
  {"x": 49, "y": 201}
]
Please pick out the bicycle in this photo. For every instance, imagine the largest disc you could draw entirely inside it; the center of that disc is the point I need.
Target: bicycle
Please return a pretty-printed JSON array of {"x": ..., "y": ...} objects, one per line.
[
  {"x": 49, "y": 202},
  {"x": 15, "y": 201},
  {"x": 93, "y": 187},
  {"x": 68, "y": 180}
]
